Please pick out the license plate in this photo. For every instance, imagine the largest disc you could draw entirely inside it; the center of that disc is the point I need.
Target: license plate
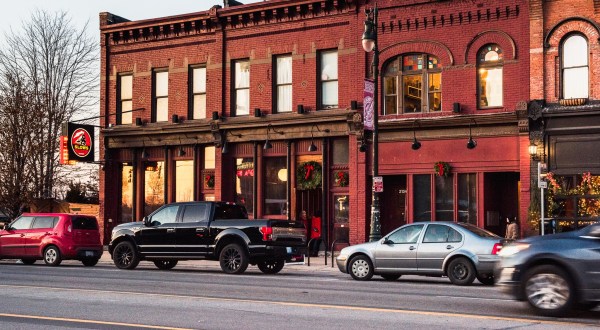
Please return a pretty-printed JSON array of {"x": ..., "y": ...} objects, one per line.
[
  {"x": 89, "y": 253},
  {"x": 289, "y": 250}
]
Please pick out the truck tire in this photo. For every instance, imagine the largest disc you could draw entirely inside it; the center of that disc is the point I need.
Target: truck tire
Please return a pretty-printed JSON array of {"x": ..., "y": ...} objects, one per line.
[
  {"x": 271, "y": 266},
  {"x": 125, "y": 256},
  {"x": 165, "y": 264},
  {"x": 233, "y": 259}
]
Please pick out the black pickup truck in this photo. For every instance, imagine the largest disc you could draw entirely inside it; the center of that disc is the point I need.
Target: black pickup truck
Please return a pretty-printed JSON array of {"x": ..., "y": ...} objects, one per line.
[{"x": 207, "y": 230}]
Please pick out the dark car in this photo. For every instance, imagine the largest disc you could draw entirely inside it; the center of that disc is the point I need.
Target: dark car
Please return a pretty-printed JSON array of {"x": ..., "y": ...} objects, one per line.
[
  {"x": 554, "y": 273},
  {"x": 460, "y": 251}
]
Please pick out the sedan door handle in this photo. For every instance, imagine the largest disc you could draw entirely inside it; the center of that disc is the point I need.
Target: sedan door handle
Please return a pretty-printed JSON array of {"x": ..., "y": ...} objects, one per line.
[
  {"x": 170, "y": 230},
  {"x": 412, "y": 248},
  {"x": 449, "y": 247}
]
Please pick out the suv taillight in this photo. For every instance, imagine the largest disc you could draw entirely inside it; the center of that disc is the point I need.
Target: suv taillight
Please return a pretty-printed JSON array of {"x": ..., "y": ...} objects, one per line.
[
  {"x": 497, "y": 247},
  {"x": 267, "y": 233}
]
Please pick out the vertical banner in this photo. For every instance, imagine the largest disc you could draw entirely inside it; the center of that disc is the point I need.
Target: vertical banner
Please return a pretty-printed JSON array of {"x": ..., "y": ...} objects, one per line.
[
  {"x": 81, "y": 142},
  {"x": 368, "y": 104}
]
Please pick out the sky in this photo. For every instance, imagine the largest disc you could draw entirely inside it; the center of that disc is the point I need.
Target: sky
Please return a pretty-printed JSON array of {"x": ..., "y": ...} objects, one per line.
[{"x": 13, "y": 12}]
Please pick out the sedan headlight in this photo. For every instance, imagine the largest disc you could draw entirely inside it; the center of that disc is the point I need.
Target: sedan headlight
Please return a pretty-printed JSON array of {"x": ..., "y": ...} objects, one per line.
[{"x": 511, "y": 249}]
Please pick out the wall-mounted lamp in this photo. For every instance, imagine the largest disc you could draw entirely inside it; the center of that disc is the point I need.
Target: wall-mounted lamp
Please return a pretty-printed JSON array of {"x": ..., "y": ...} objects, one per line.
[
  {"x": 300, "y": 109},
  {"x": 257, "y": 112},
  {"x": 533, "y": 152},
  {"x": 225, "y": 148},
  {"x": 416, "y": 144},
  {"x": 145, "y": 154},
  {"x": 268, "y": 144},
  {"x": 353, "y": 105},
  {"x": 215, "y": 115},
  {"x": 312, "y": 146},
  {"x": 456, "y": 107},
  {"x": 175, "y": 119},
  {"x": 472, "y": 143},
  {"x": 181, "y": 152},
  {"x": 138, "y": 121}
]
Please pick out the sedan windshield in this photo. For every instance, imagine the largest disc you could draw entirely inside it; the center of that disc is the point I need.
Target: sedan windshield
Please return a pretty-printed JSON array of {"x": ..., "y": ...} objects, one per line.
[{"x": 478, "y": 231}]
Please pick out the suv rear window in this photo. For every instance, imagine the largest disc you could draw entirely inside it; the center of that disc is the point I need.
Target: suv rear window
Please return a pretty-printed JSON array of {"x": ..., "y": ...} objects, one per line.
[{"x": 84, "y": 223}]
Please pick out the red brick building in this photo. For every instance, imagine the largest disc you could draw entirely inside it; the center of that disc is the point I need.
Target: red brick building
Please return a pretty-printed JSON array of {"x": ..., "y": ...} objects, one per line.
[
  {"x": 261, "y": 104},
  {"x": 564, "y": 112}
]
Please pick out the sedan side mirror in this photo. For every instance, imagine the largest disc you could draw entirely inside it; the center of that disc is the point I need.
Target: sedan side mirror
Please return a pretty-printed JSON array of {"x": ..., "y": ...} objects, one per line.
[{"x": 386, "y": 241}]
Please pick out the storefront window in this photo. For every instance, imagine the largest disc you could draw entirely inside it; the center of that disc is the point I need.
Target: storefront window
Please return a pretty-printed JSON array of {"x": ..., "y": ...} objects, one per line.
[
  {"x": 340, "y": 151},
  {"x": 184, "y": 181},
  {"x": 244, "y": 180},
  {"x": 275, "y": 186},
  {"x": 341, "y": 230},
  {"x": 127, "y": 193},
  {"x": 467, "y": 198},
  {"x": 154, "y": 186},
  {"x": 444, "y": 198},
  {"x": 209, "y": 158},
  {"x": 422, "y": 197}
]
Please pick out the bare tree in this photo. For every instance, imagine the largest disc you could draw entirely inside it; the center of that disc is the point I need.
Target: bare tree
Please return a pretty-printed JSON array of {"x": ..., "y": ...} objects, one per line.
[{"x": 56, "y": 66}]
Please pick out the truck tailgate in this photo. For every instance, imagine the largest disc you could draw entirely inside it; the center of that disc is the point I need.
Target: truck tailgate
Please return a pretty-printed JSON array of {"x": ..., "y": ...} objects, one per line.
[{"x": 288, "y": 233}]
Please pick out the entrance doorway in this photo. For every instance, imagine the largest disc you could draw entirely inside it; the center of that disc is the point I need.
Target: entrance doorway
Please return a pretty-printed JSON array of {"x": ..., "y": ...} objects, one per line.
[
  {"x": 501, "y": 200},
  {"x": 393, "y": 203}
]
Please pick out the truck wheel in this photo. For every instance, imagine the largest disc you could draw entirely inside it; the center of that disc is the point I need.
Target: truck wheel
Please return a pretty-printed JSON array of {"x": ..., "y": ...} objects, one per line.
[
  {"x": 271, "y": 266},
  {"x": 165, "y": 264},
  {"x": 233, "y": 259},
  {"x": 90, "y": 262},
  {"x": 52, "y": 256},
  {"x": 124, "y": 256}
]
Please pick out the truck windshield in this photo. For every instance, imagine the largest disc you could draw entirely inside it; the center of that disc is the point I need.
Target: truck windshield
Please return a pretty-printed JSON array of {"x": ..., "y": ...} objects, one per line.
[{"x": 230, "y": 211}]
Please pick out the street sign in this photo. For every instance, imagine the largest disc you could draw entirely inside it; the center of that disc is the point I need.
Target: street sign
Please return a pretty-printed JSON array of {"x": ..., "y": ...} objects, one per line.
[
  {"x": 378, "y": 184},
  {"x": 542, "y": 173},
  {"x": 543, "y": 184}
]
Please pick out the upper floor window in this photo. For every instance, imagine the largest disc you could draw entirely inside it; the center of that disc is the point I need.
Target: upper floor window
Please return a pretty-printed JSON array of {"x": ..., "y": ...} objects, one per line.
[
  {"x": 283, "y": 83},
  {"x": 575, "y": 70},
  {"x": 412, "y": 83},
  {"x": 160, "y": 104},
  {"x": 489, "y": 76},
  {"x": 241, "y": 83},
  {"x": 197, "y": 93},
  {"x": 328, "y": 79},
  {"x": 124, "y": 99}
]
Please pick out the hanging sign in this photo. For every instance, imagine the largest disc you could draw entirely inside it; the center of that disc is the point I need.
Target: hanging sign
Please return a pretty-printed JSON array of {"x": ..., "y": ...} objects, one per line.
[
  {"x": 80, "y": 142},
  {"x": 378, "y": 184},
  {"x": 368, "y": 104}
]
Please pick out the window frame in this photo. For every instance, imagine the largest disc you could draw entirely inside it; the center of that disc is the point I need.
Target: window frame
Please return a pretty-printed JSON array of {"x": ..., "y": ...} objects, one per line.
[
  {"x": 120, "y": 101},
  {"x": 562, "y": 65},
  {"x": 321, "y": 81},
  {"x": 277, "y": 84},
  {"x": 498, "y": 64},
  {"x": 192, "y": 94},
  {"x": 424, "y": 73},
  {"x": 234, "y": 89},
  {"x": 155, "y": 97}
]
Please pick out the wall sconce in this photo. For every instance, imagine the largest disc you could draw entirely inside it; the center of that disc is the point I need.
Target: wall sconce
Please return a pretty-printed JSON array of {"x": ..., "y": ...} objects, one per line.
[
  {"x": 300, "y": 109},
  {"x": 181, "y": 152},
  {"x": 456, "y": 107},
  {"x": 145, "y": 154},
  {"x": 138, "y": 121},
  {"x": 312, "y": 146},
  {"x": 416, "y": 144},
  {"x": 175, "y": 119},
  {"x": 257, "y": 112},
  {"x": 533, "y": 152},
  {"x": 225, "y": 148},
  {"x": 215, "y": 115},
  {"x": 268, "y": 144},
  {"x": 472, "y": 143},
  {"x": 353, "y": 105}
]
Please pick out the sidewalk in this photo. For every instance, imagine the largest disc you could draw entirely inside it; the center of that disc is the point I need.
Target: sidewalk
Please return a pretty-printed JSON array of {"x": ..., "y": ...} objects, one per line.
[{"x": 317, "y": 264}]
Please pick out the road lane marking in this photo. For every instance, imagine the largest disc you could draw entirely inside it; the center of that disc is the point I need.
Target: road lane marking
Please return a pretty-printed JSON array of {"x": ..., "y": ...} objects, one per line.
[
  {"x": 308, "y": 305},
  {"x": 61, "y": 319}
]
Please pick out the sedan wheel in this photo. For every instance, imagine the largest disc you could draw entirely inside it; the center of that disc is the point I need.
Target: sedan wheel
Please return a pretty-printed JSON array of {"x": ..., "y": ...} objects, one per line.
[
  {"x": 361, "y": 268},
  {"x": 165, "y": 264},
  {"x": 549, "y": 290},
  {"x": 233, "y": 259},
  {"x": 125, "y": 256},
  {"x": 52, "y": 256},
  {"x": 390, "y": 277},
  {"x": 461, "y": 271}
]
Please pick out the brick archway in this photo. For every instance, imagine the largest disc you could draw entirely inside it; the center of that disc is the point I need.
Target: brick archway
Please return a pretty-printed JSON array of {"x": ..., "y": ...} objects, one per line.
[
  {"x": 436, "y": 48},
  {"x": 588, "y": 28},
  {"x": 501, "y": 38}
]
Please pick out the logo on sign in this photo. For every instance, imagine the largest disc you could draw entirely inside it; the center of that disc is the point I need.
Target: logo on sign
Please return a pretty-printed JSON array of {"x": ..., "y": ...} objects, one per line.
[
  {"x": 81, "y": 142},
  {"x": 378, "y": 184}
]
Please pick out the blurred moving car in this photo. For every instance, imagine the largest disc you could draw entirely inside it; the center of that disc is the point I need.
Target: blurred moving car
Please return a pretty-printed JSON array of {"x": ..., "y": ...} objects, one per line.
[
  {"x": 52, "y": 237},
  {"x": 460, "y": 251},
  {"x": 554, "y": 273}
]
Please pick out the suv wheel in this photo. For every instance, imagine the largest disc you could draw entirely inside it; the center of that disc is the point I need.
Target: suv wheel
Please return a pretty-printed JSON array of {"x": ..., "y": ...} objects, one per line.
[
  {"x": 361, "y": 268},
  {"x": 165, "y": 264},
  {"x": 461, "y": 271},
  {"x": 52, "y": 256},
  {"x": 271, "y": 266},
  {"x": 28, "y": 261},
  {"x": 549, "y": 290},
  {"x": 233, "y": 259},
  {"x": 125, "y": 256}
]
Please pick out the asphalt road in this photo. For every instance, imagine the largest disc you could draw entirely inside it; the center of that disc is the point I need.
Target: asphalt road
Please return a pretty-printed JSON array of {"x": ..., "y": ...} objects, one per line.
[{"x": 199, "y": 297}]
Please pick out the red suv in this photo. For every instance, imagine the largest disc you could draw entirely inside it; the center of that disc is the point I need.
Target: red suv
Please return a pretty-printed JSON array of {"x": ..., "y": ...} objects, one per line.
[{"x": 53, "y": 237}]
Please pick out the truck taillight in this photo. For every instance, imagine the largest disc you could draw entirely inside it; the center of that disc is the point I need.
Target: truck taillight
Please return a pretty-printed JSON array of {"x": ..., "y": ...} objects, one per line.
[
  {"x": 267, "y": 233},
  {"x": 497, "y": 247}
]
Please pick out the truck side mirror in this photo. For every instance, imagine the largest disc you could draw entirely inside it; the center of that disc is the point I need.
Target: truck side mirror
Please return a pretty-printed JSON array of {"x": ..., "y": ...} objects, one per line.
[{"x": 146, "y": 221}]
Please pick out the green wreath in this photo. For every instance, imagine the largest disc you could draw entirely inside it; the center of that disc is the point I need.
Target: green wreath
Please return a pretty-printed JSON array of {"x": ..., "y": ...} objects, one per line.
[
  {"x": 442, "y": 169},
  {"x": 309, "y": 175}
]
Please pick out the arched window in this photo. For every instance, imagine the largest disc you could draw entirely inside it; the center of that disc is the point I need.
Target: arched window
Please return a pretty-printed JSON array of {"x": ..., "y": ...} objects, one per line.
[
  {"x": 489, "y": 76},
  {"x": 412, "y": 83},
  {"x": 575, "y": 70}
]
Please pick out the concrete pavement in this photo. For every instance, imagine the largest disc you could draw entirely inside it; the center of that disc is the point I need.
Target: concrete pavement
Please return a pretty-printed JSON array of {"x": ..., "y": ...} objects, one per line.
[{"x": 317, "y": 264}]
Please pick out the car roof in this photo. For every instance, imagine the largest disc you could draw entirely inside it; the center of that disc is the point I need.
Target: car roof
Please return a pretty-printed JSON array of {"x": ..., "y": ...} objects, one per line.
[{"x": 55, "y": 214}]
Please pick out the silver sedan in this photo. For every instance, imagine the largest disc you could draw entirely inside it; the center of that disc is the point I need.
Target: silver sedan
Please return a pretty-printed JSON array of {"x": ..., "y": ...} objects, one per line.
[{"x": 460, "y": 251}]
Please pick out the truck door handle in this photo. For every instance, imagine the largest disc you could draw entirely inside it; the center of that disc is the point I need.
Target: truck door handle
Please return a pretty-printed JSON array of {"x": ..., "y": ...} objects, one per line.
[
  {"x": 449, "y": 247},
  {"x": 200, "y": 230},
  {"x": 170, "y": 230},
  {"x": 412, "y": 248}
]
